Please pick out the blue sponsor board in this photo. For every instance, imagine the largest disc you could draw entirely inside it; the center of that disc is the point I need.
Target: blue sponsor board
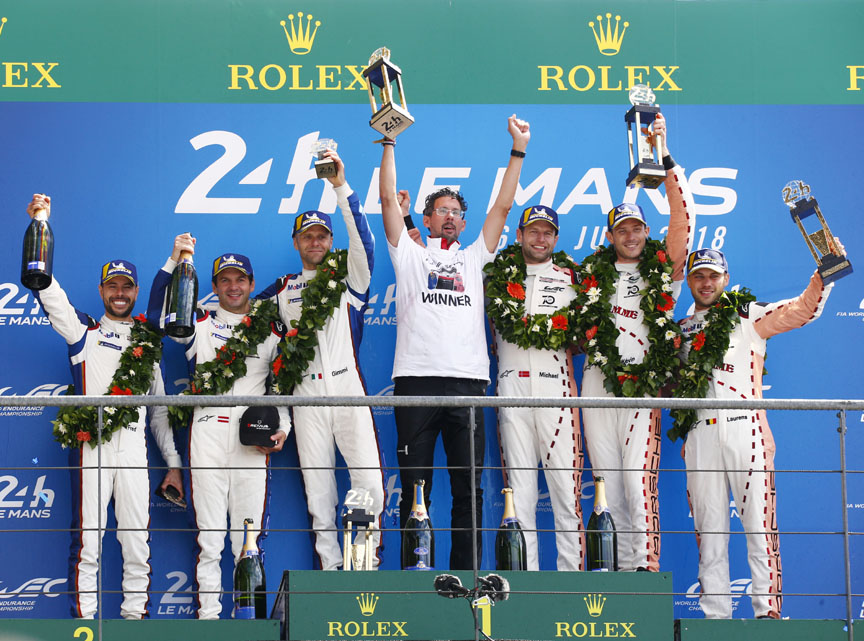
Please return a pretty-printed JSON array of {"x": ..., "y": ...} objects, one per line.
[{"x": 126, "y": 178}]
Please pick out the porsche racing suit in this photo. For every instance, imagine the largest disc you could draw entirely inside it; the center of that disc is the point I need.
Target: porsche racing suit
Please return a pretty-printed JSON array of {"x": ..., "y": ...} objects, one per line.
[
  {"x": 550, "y": 436},
  {"x": 335, "y": 370},
  {"x": 739, "y": 443},
  {"x": 94, "y": 355},
  {"x": 624, "y": 444},
  {"x": 226, "y": 476}
]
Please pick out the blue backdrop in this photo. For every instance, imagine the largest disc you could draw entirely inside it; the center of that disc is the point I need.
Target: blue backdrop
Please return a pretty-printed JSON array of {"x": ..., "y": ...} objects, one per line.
[{"x": 126, "y": 178}]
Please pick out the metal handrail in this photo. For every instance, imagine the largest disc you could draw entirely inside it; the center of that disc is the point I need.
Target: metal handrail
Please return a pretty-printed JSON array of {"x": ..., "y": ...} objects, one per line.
[{"x": 473, "y": 402}]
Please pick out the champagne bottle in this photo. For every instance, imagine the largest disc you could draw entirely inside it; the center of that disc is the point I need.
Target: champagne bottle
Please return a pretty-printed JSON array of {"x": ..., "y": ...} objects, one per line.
[
  {"x": 601, "y": 538},
  {"x": 37, "y": 259},
  {"x": 250, "y": 585},
  {"x": 510, "y": 549},
  {"x": 182, "y": 299},
  {"x": 418, "y": 540}
]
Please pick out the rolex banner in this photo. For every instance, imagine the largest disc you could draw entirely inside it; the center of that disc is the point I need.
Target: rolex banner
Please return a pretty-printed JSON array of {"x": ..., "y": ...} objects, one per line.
[
  {"x": 548, "y": 605},
  {"x": 145, "y": 119}
]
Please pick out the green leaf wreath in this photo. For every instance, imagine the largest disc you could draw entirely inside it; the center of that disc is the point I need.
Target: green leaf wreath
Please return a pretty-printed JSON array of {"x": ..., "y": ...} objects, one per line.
[
  {"x": 599, "y": 331},
  {"x": 319, "y": 300},
  {"x": 707, "y": 349},
  {"x": 506, "y": 307},
  {"x": 75, "y": 426},
  {"x": 217, "y": 376}
]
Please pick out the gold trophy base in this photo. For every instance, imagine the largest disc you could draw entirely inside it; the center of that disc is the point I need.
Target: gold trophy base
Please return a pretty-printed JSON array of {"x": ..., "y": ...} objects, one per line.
[
  {"x": 325, "y": 168},
  {"x": 647, "y": 175},
  {"x": 391, "y": 120}
]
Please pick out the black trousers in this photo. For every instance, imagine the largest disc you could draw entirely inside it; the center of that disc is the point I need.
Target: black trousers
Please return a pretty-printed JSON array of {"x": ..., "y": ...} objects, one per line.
[{"x": 417, "y": 430}]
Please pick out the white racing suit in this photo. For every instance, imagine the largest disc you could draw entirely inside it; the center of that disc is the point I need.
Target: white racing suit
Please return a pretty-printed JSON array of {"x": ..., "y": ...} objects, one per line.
[
  {"x": 94, "y": 355},
  {"x": 335, "y": 371},
  {"x": 739, "y": 444},
  {"x": 624, "y": 444},
  {"x": 549, "y": 436},
  {"x": 229, "y": 480}
]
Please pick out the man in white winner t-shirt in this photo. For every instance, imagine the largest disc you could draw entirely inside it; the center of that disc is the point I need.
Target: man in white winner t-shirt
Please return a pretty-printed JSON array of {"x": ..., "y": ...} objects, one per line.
[{"x": 441, "y": 336}]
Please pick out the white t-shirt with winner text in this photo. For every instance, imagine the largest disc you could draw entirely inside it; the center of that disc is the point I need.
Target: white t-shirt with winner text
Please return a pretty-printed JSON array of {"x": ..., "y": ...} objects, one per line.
[{"x": 441, "y": 322}]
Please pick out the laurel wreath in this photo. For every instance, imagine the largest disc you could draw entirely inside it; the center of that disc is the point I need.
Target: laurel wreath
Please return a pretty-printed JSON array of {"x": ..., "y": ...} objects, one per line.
[
  {"x": 318, "y": 302},
  {"x": 707, "y": 350},
  {"x": 506, "y": 307},
  {"x": 75, "y": 426},
  {"x": 218, "y": 375},
  {"x": 598, "y": 328}
]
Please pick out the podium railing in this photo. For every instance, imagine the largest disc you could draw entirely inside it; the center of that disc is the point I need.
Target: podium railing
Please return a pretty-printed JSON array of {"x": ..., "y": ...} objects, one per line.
[{"x": 841, "y": 406}]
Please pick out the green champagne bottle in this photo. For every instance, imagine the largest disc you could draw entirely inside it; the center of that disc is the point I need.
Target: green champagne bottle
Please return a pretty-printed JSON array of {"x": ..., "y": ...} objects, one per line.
[
  {"x": 182, "y": 299},
  {"x": 600, "y": 536},
  {"x": 250, "y": 586},
  {"x": 37, "y": 259},
  {"x": 510, "y": 550},
  {"x": 418, "y": 540}
]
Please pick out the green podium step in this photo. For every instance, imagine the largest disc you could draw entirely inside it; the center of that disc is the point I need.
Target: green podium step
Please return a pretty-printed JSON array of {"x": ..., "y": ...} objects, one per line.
[
  {"x": 390, "y": 605},
  {"x": 762, "y": 630},
  {"x": 150, "y": 630}
]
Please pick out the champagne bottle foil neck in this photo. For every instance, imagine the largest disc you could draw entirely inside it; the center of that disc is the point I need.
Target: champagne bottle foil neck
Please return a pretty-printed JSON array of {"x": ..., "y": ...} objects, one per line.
[{"x": 41, "y": 215}]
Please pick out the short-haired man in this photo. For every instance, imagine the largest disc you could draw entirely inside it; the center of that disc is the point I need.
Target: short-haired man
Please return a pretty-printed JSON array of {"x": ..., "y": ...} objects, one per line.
[
  {"x": 333, "y": 368},
  {"x": 441, "y": 337},
  {"x": 95, "y": 348},
  {"x": 733, "y": 449},
  {"x": 543, "y": 368},
  {"x": 228, "y": 478},
  {"x": 624, "y": 444}
]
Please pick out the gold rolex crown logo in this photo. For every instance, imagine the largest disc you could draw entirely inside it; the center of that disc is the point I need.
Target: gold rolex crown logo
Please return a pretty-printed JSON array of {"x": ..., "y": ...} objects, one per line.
[
  {"x": 595, "y": 603},
  {"x": 367, "y": 601},
  {"x": 609, "y": 41},
  {"x": 2, "y": 23},
  {"x": 301, "y": 37}
]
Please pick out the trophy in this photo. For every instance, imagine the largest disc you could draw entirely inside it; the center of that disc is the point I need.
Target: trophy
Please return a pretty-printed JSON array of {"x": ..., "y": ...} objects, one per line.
[
  {"x": 357, "y": 556},
  {"x": 832, "y": 263},
  {"x": 646, "y": 164},
  {"x": 324, "y": 167},
  {"x": 391, "y": 119}
]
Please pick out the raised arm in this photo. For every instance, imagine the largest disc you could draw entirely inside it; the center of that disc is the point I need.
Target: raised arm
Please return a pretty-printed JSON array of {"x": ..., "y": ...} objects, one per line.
[
  {"x": 497, "y": 215},
  {"x": 679, "y": 234},
  {"x": 793, "y": 313},
  {"x": 361, "y": 242},
  {"x": 391, "y": 212},
  {"x": 65, "y": 319}
]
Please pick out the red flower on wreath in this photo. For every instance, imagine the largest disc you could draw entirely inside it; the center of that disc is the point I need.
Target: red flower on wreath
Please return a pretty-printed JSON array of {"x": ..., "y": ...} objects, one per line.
[
  {"x": 559, "y": 321},
  {"x": 277, "y": 365},
  {"x": 699, "y": 341},
  {"x": 141, "y": 317},
  {"x": 591, "y": 333},
  {"x": 668, "y": 303},
  {"x": 120, "y": 391},
  {"x": 661, "y": 256},
  {"x": 525, "y": 321},
  {"x": 83, "y": 436},
  {"x": 226, "y": 356},
  {"x": 588, "y": 283},
  {"x": 137, "y": 351},
  {"x": 624, "y": 377},
  {"x": 516, "y": 290},
  {"x": 291, "y": 332},
  {"x": 246, "y": 321}
]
